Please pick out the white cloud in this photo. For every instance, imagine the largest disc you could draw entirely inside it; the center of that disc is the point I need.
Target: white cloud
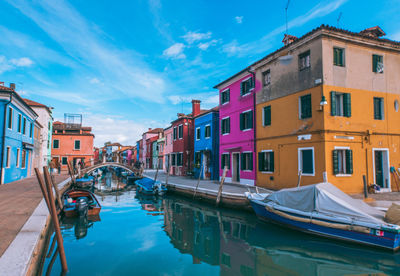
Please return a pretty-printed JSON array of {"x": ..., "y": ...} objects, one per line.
[
  {"x": 205, "y": 45},
  {"x": 175, "y": 51},
  {"x": 239, "y": 19},
  {"x": 94, "y": 81},
  {"x": 192, "y": 37},
  {"x": 208, "y": 99},
  {"x": 21, "y": 62}
]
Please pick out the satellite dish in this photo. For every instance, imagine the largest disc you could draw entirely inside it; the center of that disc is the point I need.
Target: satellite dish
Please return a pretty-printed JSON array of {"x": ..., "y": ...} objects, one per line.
[{"x": 286, "y": 60}]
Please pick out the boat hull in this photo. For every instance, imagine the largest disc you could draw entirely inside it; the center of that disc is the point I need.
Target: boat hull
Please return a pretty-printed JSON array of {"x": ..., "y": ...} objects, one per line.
[
  {"x": 376, "y": 238},
  {"x": 69, "y": 210}
]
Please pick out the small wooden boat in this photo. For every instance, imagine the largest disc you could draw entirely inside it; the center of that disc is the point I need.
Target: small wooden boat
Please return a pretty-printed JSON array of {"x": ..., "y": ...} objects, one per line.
[
  {"x": 78, "y": 202},
  {"x": 322, "y": 209},
  {"x": 149, "y": 186},
  {"x": 86, "y": 181}
]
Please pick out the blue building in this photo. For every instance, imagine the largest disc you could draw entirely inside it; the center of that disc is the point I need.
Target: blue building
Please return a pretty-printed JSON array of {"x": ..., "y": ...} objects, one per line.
[
  {"x": 206, "y": 144},
  {"x": 16, "y": 135}
]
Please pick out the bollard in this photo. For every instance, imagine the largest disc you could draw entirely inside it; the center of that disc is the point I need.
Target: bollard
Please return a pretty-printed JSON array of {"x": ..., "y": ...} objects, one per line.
[{"x": 221, "y": 185}]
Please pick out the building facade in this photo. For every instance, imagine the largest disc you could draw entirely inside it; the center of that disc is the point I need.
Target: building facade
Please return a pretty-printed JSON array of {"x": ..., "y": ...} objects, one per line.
[
  {"x": 16, "y": 135},
  {"x": 146, "y": 157},
  {"x": 168, "y": 149},
  {"x": 37, "y": 161},
  {"x": 236, "y": 124},
  {"x": 72, "y": 143},
  {"x": 161, "y": 149},
  {"x": 206, "y": 145},
  {"x": 330, "y": 111}
]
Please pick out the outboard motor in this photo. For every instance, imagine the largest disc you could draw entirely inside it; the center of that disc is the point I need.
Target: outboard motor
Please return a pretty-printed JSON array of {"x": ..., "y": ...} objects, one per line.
[{"x": 82, "y": 206}]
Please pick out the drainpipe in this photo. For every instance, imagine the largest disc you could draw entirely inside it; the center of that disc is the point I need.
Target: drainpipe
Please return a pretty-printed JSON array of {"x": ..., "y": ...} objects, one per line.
[
  {"x": 254, "y": 119},
  {"x": 4, "y": 139}
]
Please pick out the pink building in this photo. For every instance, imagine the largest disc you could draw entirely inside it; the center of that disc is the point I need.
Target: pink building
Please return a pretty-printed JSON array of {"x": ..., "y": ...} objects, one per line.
[
  {"x": 236, "y": 118},
  {"x": 168, "y": 149},
  {"x": 145, "y": 156}
]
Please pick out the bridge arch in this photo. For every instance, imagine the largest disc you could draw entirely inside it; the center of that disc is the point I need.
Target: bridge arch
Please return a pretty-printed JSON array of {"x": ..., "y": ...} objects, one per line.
[{"x": 111, "y": 164}]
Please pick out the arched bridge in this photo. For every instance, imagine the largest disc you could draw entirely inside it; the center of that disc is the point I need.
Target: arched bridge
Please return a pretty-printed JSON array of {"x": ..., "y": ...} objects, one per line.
[{"x": 113, "y": 164}]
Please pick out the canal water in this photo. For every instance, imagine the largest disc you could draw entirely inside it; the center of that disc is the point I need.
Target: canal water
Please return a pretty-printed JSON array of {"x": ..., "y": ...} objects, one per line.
[{"x": 170, "y": 235}]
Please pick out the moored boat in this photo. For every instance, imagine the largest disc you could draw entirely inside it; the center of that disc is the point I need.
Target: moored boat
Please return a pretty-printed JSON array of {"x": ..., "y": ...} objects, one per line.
[
  {"x": 86, "y": 181},
  {"x": 149, "y": 186},
  {"x": 79, "y": 202},
  {"x": 322, "y": 209}
]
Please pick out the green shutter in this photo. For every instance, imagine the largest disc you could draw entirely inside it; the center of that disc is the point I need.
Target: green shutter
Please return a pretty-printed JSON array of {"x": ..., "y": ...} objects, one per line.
[
  {"x": 335, "y": 162},
  {"x": 241, "y": 121},
  {"x": 250, "y": 119},
  {"x": 335, "y": 56},
  {"x": 374, "y": 63},
  {"x": 267, "y": 115},
  {"x": 242, "y": 84},
  {"x": 242, "y": 158},
  {"x": 305, "y": 102},
  {"x": 347, "y": 104},
  {"x": 261, "y": 161},
  {"x": 308, "y": 161},
  {"x": 251, "y": 162},
  {"x": 228, "y": 122},
  {"x": 333, "y": 103},
  {"x": 349, "y": 161},
  {"x": 271, "y": 162},
  {"x": 228, "y": 95},
  {"x": 222, "y": 161}
]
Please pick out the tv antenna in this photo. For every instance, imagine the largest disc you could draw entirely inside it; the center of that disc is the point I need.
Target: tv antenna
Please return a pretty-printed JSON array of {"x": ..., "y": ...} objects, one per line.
[
  {"x": 287, "y": 6},
  {"x": 338, "y": 19}
]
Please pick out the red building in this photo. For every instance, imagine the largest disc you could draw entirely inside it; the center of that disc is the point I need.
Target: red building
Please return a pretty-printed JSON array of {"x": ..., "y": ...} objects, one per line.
[{"x": 183, "y": 139}]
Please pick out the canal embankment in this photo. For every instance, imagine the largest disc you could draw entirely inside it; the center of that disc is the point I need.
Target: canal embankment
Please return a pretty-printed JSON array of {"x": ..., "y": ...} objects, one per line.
[{"x": 24, "y": 222}]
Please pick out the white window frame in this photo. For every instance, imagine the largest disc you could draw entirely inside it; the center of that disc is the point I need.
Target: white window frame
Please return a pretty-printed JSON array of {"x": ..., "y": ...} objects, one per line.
[
  {"x": 18, "y": 157},
  {"x": 267, "y": 150},
  {"x": 299, "y": 163},
  {"x": 62, "y": 164},
  {"x": 8, "y": 151},
  {"x": 23, "y": 164},
  {"x": 250, "y": 90},
  {"x": 19, "y": 123},
  {"x": 249, "y": 110},
  {"x": 249, "y": 151},
  {"x": 339, "y": 104},
  {"x": 389, "y": 188},
  {"x": 75, "y": 145},
  {"x": 58, "y": 144},
  {"x": 197, "y": 136},
  {"x": 229, "y": 155},
  {"x": 176, "y": 137},
  {"x": 223, "y": 134},
  {"x": 24, "y": 126},
  {"x": 343, "y": 174},
  {"x": 227, "y": 89},
  {"x": 177, "y": 159},
  {"x": 12, "y": 117},
  {"x": 180, "y": 138},
  {"x": 205, "y": 137}
]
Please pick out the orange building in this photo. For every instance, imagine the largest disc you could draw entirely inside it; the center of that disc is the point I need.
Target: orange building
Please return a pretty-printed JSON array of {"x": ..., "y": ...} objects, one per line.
[{"x": 72, "y": 142}]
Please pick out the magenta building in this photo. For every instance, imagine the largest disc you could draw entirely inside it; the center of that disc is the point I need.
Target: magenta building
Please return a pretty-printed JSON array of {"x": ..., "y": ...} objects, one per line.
[{"x": 237, "y": 128}]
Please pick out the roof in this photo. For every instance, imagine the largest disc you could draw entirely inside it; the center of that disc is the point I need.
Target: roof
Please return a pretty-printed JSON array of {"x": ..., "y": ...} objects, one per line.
[
  {"x": 14, "y": 93},
  {"x": 36, "y": 104},
  {"x": 214, "y": 109},
  {"x": 155, "y": 130},
  {"x": 363, "y": 34}
]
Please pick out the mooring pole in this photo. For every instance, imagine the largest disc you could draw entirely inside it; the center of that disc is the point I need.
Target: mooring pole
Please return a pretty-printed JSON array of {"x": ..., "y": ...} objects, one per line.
[
  {"x": 60, "y": 203},
  {"x": 166, "y": 179},
  {"x": 221, "y": 185},
  {"x": 198, "y": 181},
  {"x": 299, "y": 179},
  {"x": 155, "y": 177},
  {"x": 55, "y": 220},
  {"x": 43, "y": 188},
  {"x": 365, "y": 187}
]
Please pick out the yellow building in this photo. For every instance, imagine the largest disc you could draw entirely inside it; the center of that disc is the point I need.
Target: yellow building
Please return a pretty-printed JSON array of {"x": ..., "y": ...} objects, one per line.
[{"x": 329, "y": 106}]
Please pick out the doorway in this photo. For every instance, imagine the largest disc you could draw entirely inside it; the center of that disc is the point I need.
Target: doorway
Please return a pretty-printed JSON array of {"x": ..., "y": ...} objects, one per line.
[
  {"x": 381, "y": 168},
  {"x": 236, "y": 167}
]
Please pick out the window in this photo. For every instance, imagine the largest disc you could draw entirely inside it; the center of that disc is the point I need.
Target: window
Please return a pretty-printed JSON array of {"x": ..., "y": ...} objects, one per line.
[
  {"x": 23, "y": 159},
  {"x": 225, "y": 96},
  {"x": 246, "y": 86},
  {"x": 306, "y": 161},
  {"x": 173, "y": 159},
  {"x": 77, "y": 145},
  {"x": 225, "y": 161},
  {"x": 56, "y": 144},
  {"x": 305, "y": 107},
  {"x": 10, "y": 117},
  {"x": 267, "y": 77},
  {"x": 197, "y": 158},
  {"x": 180, "y": 131},
  {"x": 267, "y": 115},
  {"x": 246, "y": 162},
  {"x": 19, "y": 122},
  {"x": 226, "y": 126},
  {"x": 377, "y": 64},
  {"x": 226, "y": 260},
  {"x": 8, "y": 157},
  {"x": 17, "y": 159},
  {"x": 64, "y": 160},
  {"x": 378, "y": 108},
  {"x": 198, "y": 133},
  {"x": 340, "y": 104},
  {"x": 338, "y": 56},
  {"x": 266, "y": 161},
  {"x": 207, "y": 131},
  {"x": 24, "y": 127},
  {"x": 175, "y": 133},
  {"x": 179, "y": 159},
  {"x": 342, "y": 161},
  {"x": 304, "y": 60},
  {"x": 246, "y": 120},
  {"x": 30, "y": 130}
]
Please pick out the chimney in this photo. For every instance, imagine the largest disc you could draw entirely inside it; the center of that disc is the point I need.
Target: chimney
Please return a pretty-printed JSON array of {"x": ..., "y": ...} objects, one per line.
[
  {"x": 12, "y": 86},
  {"x": 374, "y": 32},
  {"x": 287, "y": 39},
  {"x": 149, "y": 128},
  {"x": 181, "y": 115},
  {"x": 195, "y": 107}
]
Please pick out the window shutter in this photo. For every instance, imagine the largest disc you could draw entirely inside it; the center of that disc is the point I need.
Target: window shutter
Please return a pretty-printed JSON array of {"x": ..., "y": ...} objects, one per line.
[
  {"x": 347, "y": 104},
  {"x": 241, "y": 121},
  {"x": 374, "y": 63},
  {"x": 242, "y": 88},
  {"x": 335, "y": 162},
  {"x": 228, "y": 122},
  {"x": 250, "y": 119},
  {"x": 271, "y": 162},
  {"x": 251, "y": 161},
  {"x": 267, "y": 115},
  {"x": 222, "y": 161},
  {"x": 242, "y": 161},
  {"x": 333, "y": 103},
  {"x": 349, "y": 161},
  {"x": 228, "y": 156},
  {"x": 228, "y": 93},
  {"x": 261, "y": 161},
  {"x": 335, "y": 56}
]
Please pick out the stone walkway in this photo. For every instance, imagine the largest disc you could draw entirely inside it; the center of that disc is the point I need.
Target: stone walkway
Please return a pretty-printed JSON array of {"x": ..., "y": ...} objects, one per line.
[{"x": 18, "y": 200}]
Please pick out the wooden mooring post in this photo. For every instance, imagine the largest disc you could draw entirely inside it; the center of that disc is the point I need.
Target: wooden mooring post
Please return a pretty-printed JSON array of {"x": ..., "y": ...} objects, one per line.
[
  {"x": 221, "y": 185},
  {"x": 166, "y": 179},
  {"x": 299, "y": 178},
  {"x": 155, "y": 177},
  {"x": 198, "y": 181}
]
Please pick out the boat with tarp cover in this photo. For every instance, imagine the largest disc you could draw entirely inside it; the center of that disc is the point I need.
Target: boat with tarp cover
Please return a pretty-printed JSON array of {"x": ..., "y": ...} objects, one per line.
[
  {"x": 149, "y": 186},
  {"x": 324, "y": 210}
]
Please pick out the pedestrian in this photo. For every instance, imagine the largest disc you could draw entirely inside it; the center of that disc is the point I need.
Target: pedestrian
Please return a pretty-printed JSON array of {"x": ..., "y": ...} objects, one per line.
[
  {"x": 52, "y": 166},
  {"x": 58, "y": 165}
]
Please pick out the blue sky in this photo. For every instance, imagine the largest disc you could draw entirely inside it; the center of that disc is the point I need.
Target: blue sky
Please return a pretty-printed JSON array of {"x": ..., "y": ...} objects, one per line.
[{"x": 130, "y": 65}]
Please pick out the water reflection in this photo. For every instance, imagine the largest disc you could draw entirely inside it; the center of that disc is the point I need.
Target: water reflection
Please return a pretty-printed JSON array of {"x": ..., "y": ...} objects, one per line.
[{"x": 110, "y": 181}]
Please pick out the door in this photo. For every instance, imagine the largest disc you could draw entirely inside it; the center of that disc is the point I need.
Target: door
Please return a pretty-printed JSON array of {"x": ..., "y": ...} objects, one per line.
[
  {"x": 235, "y": 167},
  {"x": 205, "y": 171},
  {"x": 381, "y": 168}
]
